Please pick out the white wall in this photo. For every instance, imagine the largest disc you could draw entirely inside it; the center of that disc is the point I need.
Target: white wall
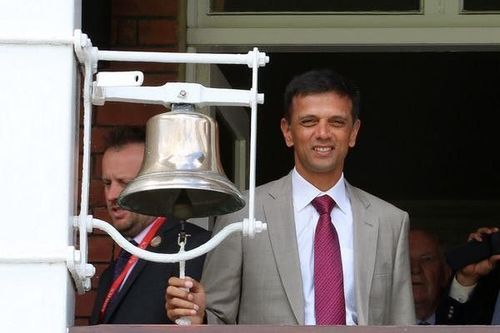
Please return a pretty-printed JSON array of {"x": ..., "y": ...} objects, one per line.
[{"x": 38, "y": 145}]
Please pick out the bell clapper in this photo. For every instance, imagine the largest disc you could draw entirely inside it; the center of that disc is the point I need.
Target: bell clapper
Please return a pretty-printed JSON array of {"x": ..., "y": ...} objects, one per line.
[{"x": 182, "y": 240}]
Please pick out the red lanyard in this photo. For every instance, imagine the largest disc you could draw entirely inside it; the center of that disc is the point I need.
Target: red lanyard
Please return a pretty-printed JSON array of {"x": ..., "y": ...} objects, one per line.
[{"x": 130, "y": 263}]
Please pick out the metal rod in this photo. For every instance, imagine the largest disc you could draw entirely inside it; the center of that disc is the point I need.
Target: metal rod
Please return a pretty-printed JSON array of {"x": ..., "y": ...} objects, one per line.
[
  {"x": 166, "y": 257},
  {"x": 253, "y": 148},
  {"x": 166, "y": 57}
]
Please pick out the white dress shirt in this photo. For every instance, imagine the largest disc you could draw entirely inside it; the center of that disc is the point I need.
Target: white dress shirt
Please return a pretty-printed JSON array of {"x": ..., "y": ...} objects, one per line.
[
  {"x": 459, "y": 292},
  {"x": 306, "y": 217}
]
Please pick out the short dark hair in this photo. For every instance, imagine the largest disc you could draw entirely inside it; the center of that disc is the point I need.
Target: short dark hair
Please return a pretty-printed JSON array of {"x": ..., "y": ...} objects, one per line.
[
  {"x": 321, "y": 81},
  {"x": 120, "y": 136}
]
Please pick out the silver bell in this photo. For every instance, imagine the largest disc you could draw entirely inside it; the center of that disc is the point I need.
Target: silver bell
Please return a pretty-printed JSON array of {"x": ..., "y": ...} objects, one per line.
[{"x": 181, "y": 174}]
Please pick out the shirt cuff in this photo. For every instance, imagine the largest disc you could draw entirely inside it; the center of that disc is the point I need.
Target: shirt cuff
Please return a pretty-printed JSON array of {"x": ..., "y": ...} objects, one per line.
[{"x": 460, "y": 293}]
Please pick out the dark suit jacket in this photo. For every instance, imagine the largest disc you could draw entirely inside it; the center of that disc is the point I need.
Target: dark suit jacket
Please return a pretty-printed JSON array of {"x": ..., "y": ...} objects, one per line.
[
  {"x": 142, "y": 298},
  {"x": 478, "y": 310}
]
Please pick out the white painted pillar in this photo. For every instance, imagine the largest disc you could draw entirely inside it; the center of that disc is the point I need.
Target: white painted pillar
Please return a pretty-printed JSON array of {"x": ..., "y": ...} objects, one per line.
[{"x": 38, "y": 165}]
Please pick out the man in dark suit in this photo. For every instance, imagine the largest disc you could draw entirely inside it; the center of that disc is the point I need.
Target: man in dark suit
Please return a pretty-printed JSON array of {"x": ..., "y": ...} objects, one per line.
[
  {"x": 295, "y": 273},
  {"x": 131, "y": 291},
  {"x": 474, "y": 297}
]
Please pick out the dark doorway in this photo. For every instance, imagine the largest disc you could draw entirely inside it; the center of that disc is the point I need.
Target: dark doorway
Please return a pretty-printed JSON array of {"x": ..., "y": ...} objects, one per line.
[
  {"x": 428, "y": 136},
  {"x": 96, "y": 22}
]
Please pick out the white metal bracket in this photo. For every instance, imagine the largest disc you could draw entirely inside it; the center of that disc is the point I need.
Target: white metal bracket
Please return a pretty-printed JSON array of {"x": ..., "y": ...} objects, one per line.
[
  {"x": 174, "y": 92},
  {"x": 127, "y": 87}
]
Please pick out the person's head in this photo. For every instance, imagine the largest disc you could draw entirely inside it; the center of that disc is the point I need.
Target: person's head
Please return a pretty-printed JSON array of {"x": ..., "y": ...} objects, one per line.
[
  {"x": 121, "y": 163},
  {"x": 429, "y": 271},
  {"x": 321, "y": 123}
]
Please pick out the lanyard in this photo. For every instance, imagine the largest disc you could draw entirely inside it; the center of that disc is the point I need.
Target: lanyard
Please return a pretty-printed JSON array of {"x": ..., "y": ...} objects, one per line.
[{"x": 157, "y": 223}]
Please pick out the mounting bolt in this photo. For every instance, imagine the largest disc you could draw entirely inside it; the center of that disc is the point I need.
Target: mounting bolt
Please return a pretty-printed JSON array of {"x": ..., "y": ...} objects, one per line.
[{"x": 182, "y": 94}]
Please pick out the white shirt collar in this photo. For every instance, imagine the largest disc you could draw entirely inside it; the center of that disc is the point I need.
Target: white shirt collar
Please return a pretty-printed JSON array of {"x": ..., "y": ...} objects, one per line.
[
  {"x": 138, "y": 239},
  {"x": 304, "y": 192}
]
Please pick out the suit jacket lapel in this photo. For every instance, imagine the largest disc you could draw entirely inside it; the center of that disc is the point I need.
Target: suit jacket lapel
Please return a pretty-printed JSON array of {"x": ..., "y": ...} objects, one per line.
[
  {"x": 279, "y": 215},
  {"x": 138, "y": 268},
  {"x": 103, "y": 287},
  {"x": 365, "y": 250}
]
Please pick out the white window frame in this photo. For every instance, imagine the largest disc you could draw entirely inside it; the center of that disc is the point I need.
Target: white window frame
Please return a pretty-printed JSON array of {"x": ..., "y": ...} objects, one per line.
[{"x": 441, "y": 25}]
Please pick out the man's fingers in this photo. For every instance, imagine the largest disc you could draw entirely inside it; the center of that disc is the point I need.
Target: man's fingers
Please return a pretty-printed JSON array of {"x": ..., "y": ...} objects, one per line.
[
  {"x": 175, "y": 311},
  {"x": 478, "y": 234},
  {"x": 179, "y": 303},
  {"x": 181, "y": 283},
  {"x": 495, "y": 259},
  {"x": 178, "y": 292},
  {"x": 178, "y": 312},
  {"x": 194, "y": 285}
]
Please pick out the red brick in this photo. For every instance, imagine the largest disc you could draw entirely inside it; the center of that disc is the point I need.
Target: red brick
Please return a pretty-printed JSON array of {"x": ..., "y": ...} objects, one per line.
[
  {"x": 101, "y": 213},
  {"x": 96, "y": 160},
  {"x": 80, "y": 101},
  {"x": 126, "y": 32},
  {"x": 157, "y": 32},
  {"x": 127, "y": 113},
  {"x": 96, "y": 193},
  {"x": 79, "y": 190},
  {"x": 146, "y": 67},
  {"x": 97, "y": 166},
  {"x": 98, "y": 137},
  {"x": 80, "y": 136},
  {"x": 97, "y": 232},
  {"x": 100, "y": 249},
  {"x": 159, "y": 79},
  {"x": 80, "y": 164},
  {"x": 82, "y": 321},
  {"x": 144, "y": 7},
  {"x": 99, "y": 270},
  {"x": 84, "y": 304}
]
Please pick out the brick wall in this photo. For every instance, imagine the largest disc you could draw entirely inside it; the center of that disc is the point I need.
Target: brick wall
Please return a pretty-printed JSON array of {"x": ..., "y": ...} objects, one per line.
[{"x": 136, "y": 25}]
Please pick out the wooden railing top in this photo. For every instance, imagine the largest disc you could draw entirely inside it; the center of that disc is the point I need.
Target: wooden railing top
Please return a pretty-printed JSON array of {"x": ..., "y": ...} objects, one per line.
[{"x": 279, "y": 329}]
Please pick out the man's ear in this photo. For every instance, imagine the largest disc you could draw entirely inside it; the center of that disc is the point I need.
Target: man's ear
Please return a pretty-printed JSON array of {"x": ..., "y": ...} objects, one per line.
[
  {"x": 287, "y": 134},
  {"x": 354, "y": 133}
]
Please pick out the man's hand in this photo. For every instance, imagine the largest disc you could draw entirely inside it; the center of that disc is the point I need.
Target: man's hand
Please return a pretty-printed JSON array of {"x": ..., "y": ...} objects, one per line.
[
  {"x": 470, "y": 274},
  {"x": 183, "y": 303}
]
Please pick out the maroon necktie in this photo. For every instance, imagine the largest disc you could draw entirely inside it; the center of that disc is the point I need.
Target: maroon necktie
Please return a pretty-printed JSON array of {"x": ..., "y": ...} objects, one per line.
[{"x": 328, "y": 279}]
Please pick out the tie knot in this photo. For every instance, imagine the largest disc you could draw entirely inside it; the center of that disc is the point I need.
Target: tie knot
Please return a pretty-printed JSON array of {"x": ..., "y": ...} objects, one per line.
[
  {"x": 323, "y": 204},
  {"x": 124, "y": 253}
]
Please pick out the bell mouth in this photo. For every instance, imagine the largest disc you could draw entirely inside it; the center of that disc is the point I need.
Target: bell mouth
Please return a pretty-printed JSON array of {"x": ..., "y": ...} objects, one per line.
[{"x": 156, "y": 194}]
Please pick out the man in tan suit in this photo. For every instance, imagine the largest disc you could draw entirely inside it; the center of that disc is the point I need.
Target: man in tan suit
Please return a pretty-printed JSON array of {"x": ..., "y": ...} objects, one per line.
[{"x": 272, "y": 279}]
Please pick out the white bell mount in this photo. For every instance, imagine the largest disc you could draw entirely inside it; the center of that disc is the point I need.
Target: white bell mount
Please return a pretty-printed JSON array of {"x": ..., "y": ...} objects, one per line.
[{"x": 127, "y": 87}]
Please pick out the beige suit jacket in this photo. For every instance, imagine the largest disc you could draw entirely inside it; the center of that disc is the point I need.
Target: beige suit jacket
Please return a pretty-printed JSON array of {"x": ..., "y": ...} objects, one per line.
[{"x": 258, "y": 281}]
